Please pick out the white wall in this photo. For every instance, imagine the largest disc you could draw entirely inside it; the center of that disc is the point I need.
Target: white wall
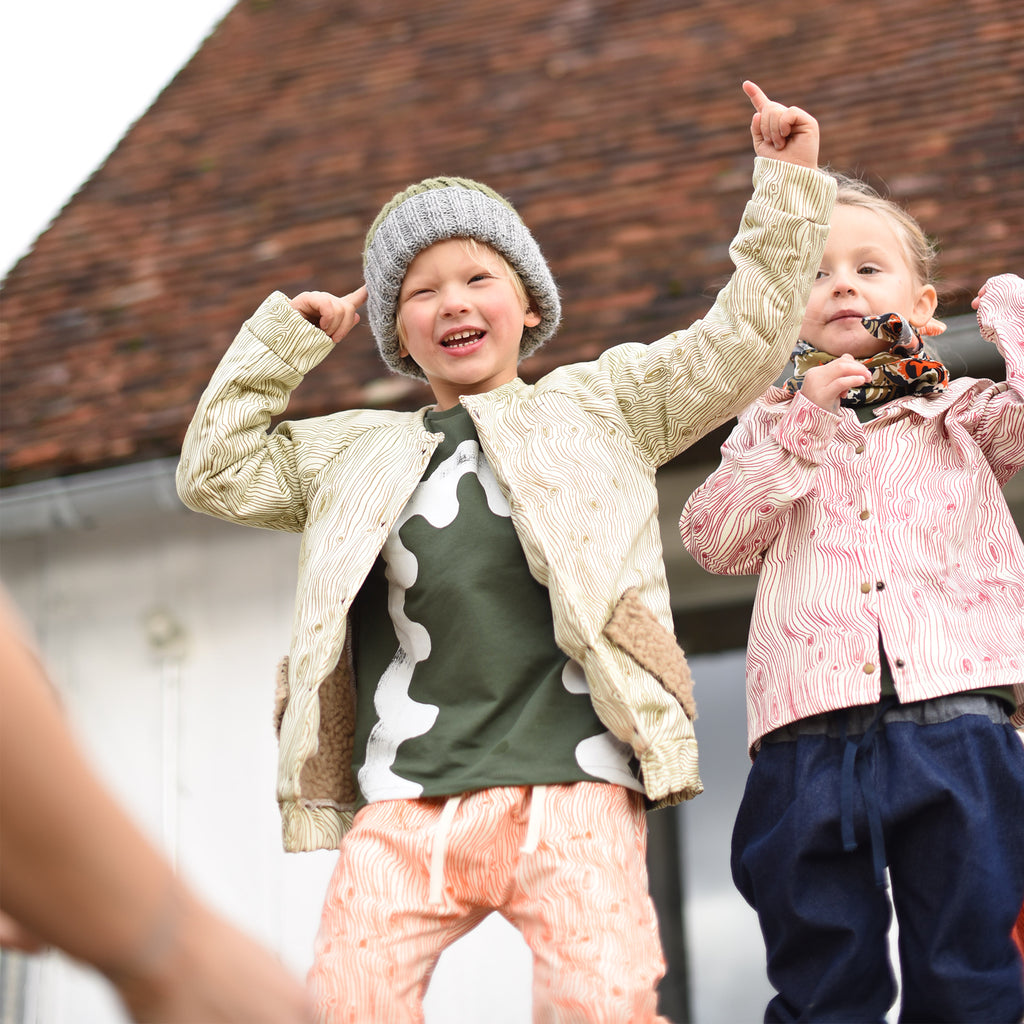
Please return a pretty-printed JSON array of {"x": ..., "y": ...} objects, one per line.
[{"x": 726, "y": 952}]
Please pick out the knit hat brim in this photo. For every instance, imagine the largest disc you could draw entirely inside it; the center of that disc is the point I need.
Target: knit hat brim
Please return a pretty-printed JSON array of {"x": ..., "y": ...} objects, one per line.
[{"x": 436, "y": 214}]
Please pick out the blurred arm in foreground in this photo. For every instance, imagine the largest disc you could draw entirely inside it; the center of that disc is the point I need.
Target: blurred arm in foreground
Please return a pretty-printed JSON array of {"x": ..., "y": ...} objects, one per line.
[{"x": 77, "y": 873}]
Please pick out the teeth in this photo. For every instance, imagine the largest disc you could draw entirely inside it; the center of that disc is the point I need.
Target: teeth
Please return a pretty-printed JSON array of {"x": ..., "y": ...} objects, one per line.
[{"x": 461, "y": 336}]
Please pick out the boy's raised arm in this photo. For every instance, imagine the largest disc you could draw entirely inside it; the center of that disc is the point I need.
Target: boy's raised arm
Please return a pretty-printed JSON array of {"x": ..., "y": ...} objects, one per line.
[
  {"x": 730, "y": 356},
  {"x": 232, "y": 464}
]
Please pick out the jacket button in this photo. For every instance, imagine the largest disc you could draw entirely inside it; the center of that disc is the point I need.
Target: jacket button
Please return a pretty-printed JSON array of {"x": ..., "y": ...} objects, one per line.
[
  {"x": 859, "y": 450},
  {"x": 864, "y": 513},
  {"x": 868, "y": 668},
  {"x": 900, "y": 663},
  {"x": 865, "y": 588},
  {"x": 880, "y": 585}
]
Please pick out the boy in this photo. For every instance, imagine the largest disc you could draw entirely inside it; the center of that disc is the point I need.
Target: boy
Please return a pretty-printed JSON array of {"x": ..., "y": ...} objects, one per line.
[{"x": 490, "y": 570}]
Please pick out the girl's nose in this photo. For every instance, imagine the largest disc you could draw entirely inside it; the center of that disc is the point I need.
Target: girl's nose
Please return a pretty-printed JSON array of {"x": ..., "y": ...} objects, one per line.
[{"x": 843, "y": 284}]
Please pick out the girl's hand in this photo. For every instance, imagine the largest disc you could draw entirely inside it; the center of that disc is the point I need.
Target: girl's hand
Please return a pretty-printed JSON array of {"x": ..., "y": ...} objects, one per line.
[
  {"x": 825, "y": 385},
  {"x": 334, "y": 316},
  {"x": 1009, "y": 284},
  {"x": 1000, "y": 306},
  {"x": 782, "y": 133}
]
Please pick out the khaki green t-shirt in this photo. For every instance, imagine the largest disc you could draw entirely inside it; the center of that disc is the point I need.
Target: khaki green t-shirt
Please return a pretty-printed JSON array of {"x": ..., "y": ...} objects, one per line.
[{"x": 461, "y": 685}]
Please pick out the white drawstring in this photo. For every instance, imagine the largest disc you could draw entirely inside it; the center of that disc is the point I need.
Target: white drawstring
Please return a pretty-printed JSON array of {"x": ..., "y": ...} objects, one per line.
[
  {"x": 444, "y": 827},
  {"x": 440, "y": 845},
  {"x": 536, "y": 821}
]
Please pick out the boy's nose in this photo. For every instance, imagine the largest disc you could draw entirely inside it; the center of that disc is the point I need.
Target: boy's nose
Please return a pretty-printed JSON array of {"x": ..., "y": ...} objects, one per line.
[{"x": 453, "y": 303}]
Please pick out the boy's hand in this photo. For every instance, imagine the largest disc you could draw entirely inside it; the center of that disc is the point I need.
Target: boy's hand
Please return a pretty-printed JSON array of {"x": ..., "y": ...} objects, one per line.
[
  {"x": 782, "y": 133},
  {"x": 825, "y": 385},
  {"x": 334, "y": 316}
]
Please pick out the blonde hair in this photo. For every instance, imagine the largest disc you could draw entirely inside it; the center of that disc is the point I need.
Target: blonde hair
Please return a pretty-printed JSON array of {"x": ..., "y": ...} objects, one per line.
[
  {"x": 477, "y": 249},
  {"x": 919, "y": 250}
]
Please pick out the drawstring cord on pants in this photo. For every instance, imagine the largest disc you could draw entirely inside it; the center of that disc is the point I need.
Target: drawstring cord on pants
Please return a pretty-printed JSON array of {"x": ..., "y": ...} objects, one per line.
[
  {"x": 849, "y": 772},
  {"x": 533, "y": 826},
  {"x": 443, "y": 830}
]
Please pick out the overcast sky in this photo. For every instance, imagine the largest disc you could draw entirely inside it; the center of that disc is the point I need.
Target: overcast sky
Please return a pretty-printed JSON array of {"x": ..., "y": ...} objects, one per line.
[{"x": 73, "y": 77}]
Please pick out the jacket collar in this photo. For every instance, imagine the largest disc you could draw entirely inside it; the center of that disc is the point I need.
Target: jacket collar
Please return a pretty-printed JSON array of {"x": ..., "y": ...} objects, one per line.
[{"x": 925, "y": 406}]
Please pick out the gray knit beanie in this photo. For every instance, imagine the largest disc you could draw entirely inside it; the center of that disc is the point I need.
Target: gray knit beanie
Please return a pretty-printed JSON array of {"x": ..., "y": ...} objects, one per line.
[{"x": 434, "y": 210}]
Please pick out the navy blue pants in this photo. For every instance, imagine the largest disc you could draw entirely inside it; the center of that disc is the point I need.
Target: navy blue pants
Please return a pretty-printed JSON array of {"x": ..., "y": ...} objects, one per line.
[{"x": 942, "y": 805}]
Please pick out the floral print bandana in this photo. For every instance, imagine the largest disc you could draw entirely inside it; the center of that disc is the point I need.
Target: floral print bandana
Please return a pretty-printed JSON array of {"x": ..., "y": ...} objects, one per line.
[{"x": 901, "y": 369}]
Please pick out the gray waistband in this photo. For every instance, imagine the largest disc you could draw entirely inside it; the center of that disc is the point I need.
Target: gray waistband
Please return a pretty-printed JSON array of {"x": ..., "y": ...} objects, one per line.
[{"x": 921, "y": 712}]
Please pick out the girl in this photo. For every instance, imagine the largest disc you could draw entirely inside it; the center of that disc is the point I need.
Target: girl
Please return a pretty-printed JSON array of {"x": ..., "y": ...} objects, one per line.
[{"x": 886, "y": 650}]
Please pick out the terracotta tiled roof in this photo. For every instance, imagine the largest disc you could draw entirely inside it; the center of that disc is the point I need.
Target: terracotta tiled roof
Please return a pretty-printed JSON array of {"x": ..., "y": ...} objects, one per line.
[{"x": 617, "y": 128}]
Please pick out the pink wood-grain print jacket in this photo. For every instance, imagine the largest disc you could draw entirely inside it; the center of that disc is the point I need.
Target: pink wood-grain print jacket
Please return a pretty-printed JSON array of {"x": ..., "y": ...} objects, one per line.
[{"x": 895, "y": 528}]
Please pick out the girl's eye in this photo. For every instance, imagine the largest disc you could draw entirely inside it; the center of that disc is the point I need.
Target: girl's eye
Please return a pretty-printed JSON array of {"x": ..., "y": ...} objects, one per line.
[
  {"x": 819, "y": 275},
  {"x": 479, "y": 277},
  {"x": 868, "y": 270}
]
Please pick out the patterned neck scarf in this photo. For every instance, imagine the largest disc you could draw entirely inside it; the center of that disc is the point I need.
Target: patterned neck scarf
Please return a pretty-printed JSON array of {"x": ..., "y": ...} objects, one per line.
[{"x": 898, "y": 370}]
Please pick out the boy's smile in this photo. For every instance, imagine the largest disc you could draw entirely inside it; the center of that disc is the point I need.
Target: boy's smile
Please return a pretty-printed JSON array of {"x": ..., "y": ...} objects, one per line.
[
  {"x": 460, "y": 339},
  {"x": 864, "y": 272},
  {"x": 461, "y": 319}
]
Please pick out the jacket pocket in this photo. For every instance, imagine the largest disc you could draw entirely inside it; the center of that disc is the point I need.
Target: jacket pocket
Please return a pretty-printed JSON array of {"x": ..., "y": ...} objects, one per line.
[
  {"x": 326, "y": 776},
  {"x": 636, "y": 629}
]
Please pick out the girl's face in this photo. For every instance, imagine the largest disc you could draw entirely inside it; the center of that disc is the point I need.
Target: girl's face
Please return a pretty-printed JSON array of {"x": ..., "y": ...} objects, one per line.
[
  {"x": 462, "y": 320},
  {"x": 864, "y": 272}
]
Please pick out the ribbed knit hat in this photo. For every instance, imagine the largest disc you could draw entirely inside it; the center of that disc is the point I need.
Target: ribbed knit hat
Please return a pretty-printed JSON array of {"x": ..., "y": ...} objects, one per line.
[{"x": 434, "y": 210}]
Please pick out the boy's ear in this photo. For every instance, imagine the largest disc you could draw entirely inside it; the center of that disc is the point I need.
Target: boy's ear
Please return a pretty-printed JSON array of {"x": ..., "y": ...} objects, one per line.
[
  {"x": 925, "y": 305},
  {"x": 531, "y": 319},
  {"x": 402, "y": 350}
]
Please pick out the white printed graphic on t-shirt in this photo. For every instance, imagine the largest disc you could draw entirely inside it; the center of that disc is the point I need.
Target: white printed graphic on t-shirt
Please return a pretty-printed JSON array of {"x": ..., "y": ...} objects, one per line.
[
  {"x": 400, "y": 717},
  {"x": 602, "y": 756}
]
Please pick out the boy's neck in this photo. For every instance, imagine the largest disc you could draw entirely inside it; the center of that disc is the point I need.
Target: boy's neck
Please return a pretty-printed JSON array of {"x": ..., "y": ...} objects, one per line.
[{"x": 445, "y": 399}]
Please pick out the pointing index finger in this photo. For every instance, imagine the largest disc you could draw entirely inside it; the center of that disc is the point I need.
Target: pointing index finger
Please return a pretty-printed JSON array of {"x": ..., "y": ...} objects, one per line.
[
  {"x": 358, "y": 297},
  {"x": 755, "y": 94}
]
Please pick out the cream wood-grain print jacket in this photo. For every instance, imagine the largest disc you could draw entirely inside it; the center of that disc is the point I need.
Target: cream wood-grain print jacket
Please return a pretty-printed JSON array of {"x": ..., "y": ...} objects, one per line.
[{"x": 576, "y": 455}]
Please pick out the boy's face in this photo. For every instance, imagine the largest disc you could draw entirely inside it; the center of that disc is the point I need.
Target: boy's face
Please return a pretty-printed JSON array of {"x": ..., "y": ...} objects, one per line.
[
  {"x": 864, "y": 272},
  {"x": 462, "y": 320}
]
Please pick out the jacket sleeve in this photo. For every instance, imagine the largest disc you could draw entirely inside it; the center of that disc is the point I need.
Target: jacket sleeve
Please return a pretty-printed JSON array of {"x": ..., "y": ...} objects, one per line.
[
  {"x": 998, "y": 420},
  {"x": 675, "y": 390},
  {"x": 767, "y": 467},
  {"x": 230, "y": 466},
  {"x": 996, "y": 416}
]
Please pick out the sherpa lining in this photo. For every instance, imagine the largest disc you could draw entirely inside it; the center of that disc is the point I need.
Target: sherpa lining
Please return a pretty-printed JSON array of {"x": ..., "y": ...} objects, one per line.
[
  {"x": 326, "y": 777},
  {"x": 636, "y": 629}
]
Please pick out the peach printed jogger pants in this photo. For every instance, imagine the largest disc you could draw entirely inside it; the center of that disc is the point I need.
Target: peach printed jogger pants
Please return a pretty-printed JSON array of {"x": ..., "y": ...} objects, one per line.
[{"x": 565, "y": 864}]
